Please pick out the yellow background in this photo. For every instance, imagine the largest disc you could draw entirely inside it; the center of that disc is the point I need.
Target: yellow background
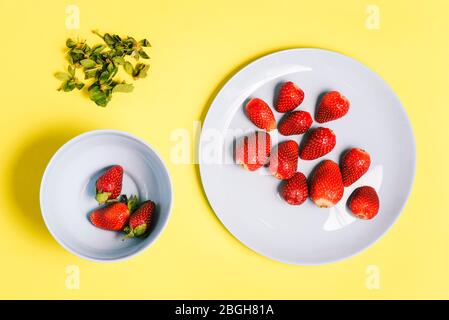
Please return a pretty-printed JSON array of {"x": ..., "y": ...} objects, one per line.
[{"x": 197, "y": 46}]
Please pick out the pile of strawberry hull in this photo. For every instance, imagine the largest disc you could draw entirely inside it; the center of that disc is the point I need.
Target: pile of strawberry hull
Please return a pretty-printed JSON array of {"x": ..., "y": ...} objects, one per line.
[{"x": 328, "y": 179}]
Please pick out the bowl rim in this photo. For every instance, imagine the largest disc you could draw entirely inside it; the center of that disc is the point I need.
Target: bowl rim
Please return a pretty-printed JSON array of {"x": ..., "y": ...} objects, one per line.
[{"x": 73, "y": 141}]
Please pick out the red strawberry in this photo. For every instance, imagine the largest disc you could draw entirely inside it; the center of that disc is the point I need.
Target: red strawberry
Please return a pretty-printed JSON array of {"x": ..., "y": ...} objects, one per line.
[
  {"x": 140, "y": 220},
  {"x": 326, "y": 186},
  {"x": 290, "y": 96},
  {"x": 295, "y": 190},
  {"x": 284, "y": 160},
  {"x": 260, "y": 114},
  {"x": 109, "y": 184},
  {"x": 296, "y": 122},
  {"x": 332, "y": 106},
  {"x": 320, "y": 142},
  {"x": 252, "y": 151},
  {"x": 111, "y": 217},
  {"x": 355, "y": 163},
  {"x": 364, "y": 202}
]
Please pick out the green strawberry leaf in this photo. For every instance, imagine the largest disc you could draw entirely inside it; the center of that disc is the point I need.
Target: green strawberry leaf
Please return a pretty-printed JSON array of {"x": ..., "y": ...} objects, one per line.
[
  {"x": 123, "y": 87},
  {"x": 133, "y": 203},
  {"x": 62, "y": 76},
  {"x": 70, "y": 43},
  {"x": 143, "y": 54},
  {"x": 88, "y": 63}
]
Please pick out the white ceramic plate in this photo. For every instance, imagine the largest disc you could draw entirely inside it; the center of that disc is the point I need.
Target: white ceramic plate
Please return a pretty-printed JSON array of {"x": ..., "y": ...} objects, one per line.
[
  {"x": 248, "y": 203},
  {"x": 67, "y": 193}
]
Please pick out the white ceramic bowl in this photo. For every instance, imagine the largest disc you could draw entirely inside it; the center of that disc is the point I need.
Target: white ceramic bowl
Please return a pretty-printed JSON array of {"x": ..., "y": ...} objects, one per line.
[{"x": 67, "y": 194}]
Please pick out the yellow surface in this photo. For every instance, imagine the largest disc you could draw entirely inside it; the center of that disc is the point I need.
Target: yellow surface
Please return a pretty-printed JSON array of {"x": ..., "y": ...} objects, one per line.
[{"x": 197, "y": 45}]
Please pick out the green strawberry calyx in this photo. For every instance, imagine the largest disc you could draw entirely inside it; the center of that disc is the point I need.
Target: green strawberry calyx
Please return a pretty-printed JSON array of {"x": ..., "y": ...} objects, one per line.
[
  {"x": 133, "y": 203},
  {"x": 138, "y": 231},
  {"x": 102, "y": 197}
]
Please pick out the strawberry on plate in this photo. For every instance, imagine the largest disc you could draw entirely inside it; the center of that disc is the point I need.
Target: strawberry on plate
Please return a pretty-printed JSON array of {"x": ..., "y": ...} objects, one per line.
[
  {"x": 295, "y": 190},
  {"x": 252, "y": 151},
  {"x": 109, "y": 184},
  {"x": 112, "y": 217},
  {"x": 364, "y": 202},
  {"x": 326, "y": 185},
  {"x": 296, "y": 122},
  {"x": 290, "y": 96},
  {"x": 260, "y": 114},
  {"x": 320, "y": 142},
  {"x": 332, "y": 106},
  {"x": 284, "y": 160},
  {"x": 140, "y": 220},
  {"x": 354, "y": 164}
]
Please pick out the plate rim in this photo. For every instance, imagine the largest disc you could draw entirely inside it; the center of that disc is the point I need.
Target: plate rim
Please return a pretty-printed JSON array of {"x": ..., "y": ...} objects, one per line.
[
  {"x": 68, "y": 144},
  {"x": 408, "y": 128}
]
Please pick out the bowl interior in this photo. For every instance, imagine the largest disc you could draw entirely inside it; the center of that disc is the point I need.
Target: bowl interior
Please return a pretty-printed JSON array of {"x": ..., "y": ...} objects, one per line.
[{"x": 68, "y": 192}]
